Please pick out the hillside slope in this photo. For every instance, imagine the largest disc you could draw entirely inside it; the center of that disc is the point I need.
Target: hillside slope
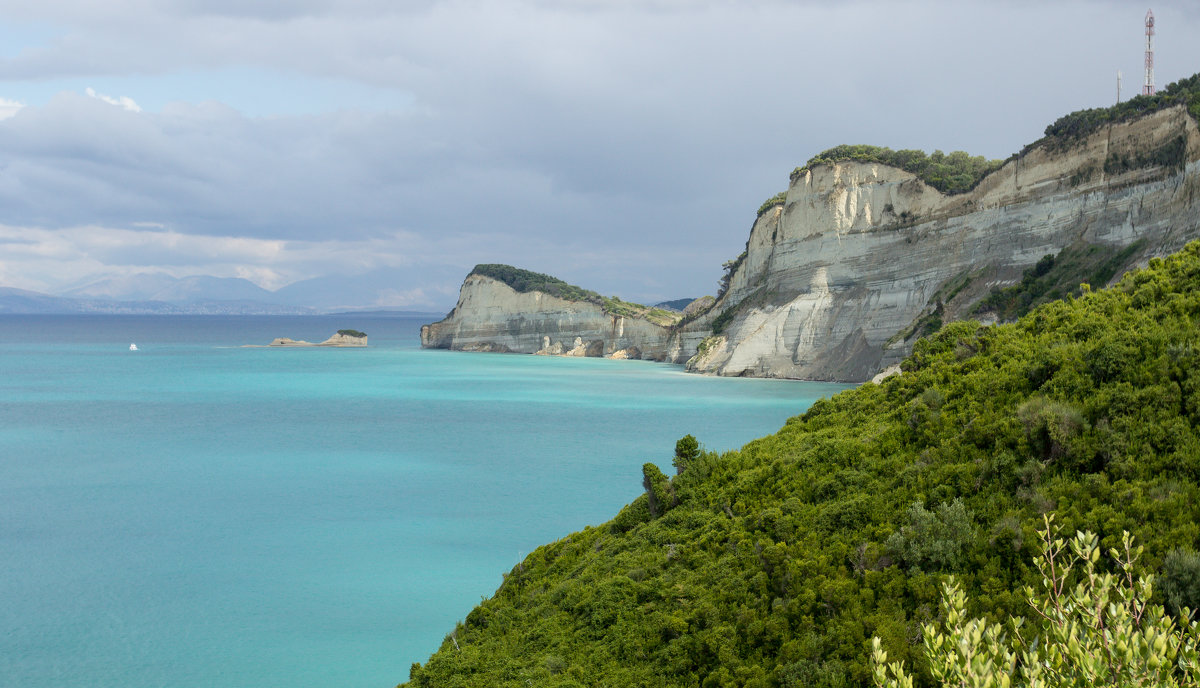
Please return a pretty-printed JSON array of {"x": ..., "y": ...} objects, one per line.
[{"x": 774, "y": 565}]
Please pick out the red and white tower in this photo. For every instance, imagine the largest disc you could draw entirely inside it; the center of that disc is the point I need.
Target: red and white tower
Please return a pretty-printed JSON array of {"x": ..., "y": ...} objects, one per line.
[{"x": 1148, "y": 87}]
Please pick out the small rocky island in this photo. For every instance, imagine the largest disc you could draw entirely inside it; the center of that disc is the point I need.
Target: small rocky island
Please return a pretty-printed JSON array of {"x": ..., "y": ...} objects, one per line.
[{"x": 343, "y": 338}]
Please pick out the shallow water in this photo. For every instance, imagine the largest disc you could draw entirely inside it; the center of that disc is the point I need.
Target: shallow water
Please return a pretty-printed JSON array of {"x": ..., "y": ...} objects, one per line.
[{"x": 200, "y": 514}]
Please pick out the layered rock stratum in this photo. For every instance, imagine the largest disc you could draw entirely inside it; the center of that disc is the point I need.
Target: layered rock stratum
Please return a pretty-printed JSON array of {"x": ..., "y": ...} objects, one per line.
[
  {"x": 493, "y": 316},
  {"x": 837, "y": 278}
]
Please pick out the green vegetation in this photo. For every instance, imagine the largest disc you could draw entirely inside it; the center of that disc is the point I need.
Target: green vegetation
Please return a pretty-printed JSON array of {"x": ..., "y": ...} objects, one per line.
[
  {"x": 702, "y": 350},
  {"x": 352, "y": 333},
  {"x": 723, "y": 319},
  {"x": 1098, "y": 629},
  {"x": 771, "y": 202},
  {"x": 728, "y": 268},
  {"x": 1069, "y": 129},
  {"x": 526, "y": 281},
  {"x": 776, "y": 565},
  {"x": 955, "y": 173},
  {"x": 1172, "y": 155},
  {"x": 687, "y": 452},
  {"x": 674, "y": 304},
  {"x": 1057, "y": 277}
]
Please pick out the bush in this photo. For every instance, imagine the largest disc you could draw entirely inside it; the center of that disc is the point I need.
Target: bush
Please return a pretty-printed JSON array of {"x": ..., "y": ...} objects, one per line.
[
  {"x": 1076, "y": 126},
  {"x": 1181, "y": 581},
  {"x": 933, "y": 540},
  {"x": 1098, "y": 631},
  {"x": 658, "y": 490},
  {"x": 1049, "y": 426},
  {"x": 687, "y": 450},
  {"x": 955, "y": 173},
  {"x": 771, "y": 202}
]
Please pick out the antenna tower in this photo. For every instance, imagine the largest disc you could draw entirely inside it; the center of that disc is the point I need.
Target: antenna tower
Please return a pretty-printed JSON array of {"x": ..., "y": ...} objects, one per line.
[
  {"x": 1148, "y": 88},
  {"x": 1118, "y": 85}
]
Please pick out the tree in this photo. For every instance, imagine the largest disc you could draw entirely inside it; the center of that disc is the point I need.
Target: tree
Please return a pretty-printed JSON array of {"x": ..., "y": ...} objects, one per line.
[
  {"x": 1102, "y": 631},
  {"x": 687, "y": 450},
  {"x": 658, "y": 490}
]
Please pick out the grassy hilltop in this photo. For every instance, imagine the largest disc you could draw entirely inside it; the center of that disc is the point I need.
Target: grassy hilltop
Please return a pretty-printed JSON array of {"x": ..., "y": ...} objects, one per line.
[{"x": 775, "y": 565}]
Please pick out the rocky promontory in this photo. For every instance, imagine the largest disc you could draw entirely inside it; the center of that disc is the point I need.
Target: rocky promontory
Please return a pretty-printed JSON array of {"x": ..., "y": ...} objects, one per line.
[{"x": 505, "y": 309}]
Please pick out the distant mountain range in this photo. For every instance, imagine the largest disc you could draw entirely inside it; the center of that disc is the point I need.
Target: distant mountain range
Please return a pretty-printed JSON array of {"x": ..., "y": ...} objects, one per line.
[
  {"x": 371, "y": 292},
  {"x": 20, "y": 301},
  {"x": 159, "y": 287}
]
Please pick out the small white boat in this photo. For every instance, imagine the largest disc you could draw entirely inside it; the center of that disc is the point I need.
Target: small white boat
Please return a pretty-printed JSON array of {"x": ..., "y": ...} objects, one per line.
[{"x": 133, "y": 347}]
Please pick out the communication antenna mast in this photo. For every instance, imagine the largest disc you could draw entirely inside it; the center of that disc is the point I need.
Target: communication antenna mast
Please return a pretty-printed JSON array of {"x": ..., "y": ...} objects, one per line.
[
  {"x": 1118, "y": 86},
  {"x": 1148, "y": 88}
]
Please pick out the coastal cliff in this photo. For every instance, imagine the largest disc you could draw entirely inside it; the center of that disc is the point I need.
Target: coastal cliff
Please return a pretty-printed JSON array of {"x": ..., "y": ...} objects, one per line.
[
  {"x": 836, "y": 278},
  {"x": 492, "y": 315},
  {"x": 866, "y": 252}
]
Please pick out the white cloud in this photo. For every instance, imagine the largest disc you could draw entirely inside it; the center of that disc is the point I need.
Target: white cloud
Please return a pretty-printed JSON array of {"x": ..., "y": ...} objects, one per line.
[
  {"x": 621, "y": 145},
  {"x": 123, "y": 102},
  {"x": 8, "y": 108}
]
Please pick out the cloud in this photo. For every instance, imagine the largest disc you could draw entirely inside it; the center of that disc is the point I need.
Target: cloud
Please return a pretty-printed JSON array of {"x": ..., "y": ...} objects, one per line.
[
  {"x": 620, "y": 145},
  {"x": 9, "y": 108},
  {"x": 123, "y": 102}
]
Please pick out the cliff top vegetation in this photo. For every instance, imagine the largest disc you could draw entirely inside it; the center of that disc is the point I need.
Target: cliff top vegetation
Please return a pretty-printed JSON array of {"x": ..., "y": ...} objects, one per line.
[
  {"x": 527, "y": 280},
  {"x": 951, "y": 173},
  {"x": 1078, "y": 125},
  {"x": 352, "y": 333},
  {"x": 777, "y": 199},
  {"x": 959, "y": 172},
  {"x": 776, "y": 564}
]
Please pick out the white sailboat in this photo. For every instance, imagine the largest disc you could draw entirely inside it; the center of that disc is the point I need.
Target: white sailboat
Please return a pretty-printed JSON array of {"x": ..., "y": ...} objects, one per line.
[{"x": 133, "y": 347}]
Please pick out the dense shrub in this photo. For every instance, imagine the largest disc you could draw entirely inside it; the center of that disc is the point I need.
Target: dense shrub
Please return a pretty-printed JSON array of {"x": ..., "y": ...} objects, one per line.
[
  {"x": 1069, "y": 129},
  {"x": 771, "y": 202},
  {"x": 952, "y": 173},
  {"x": 1058, "y": 277},
  {"x": 1180, "y": 581},
  {"x": 776, "y": 564}
]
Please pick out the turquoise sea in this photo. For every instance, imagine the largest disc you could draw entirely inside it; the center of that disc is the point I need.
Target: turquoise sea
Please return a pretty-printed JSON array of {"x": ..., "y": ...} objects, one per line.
[{"x": 197, "y": 514}]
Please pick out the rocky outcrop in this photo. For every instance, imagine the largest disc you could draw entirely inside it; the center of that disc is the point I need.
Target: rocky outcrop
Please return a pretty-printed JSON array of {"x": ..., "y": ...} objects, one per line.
[
  {"x": 835, "y": 278},
  {"x": 338, "y": 340},
  {"x": 492, "y": 316}
]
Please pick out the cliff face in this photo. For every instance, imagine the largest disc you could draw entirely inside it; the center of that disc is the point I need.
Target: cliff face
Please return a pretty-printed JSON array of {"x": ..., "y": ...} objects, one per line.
[
  {"x": 835, "y": 278},
  {"x": 492, "y": 316},
  {"x": 839, "y": 280}
]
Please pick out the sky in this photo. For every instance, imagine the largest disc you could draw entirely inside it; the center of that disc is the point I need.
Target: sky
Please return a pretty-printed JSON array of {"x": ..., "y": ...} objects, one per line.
[{"x": 381, "y": 148}]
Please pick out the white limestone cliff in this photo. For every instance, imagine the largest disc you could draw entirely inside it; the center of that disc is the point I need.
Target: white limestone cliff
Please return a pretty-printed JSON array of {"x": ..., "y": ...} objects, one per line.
[
  {"x": 492, "y": 316},
  {"x": 835, "y": 276}
]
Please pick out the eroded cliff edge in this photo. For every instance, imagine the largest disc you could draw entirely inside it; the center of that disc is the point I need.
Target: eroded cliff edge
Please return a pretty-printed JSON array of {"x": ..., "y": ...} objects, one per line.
[{"x": 835, "y": 278}]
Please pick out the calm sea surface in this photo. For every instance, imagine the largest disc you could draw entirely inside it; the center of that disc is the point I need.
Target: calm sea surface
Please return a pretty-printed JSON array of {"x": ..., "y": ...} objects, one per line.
[{"x": 197, "y": 514}]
